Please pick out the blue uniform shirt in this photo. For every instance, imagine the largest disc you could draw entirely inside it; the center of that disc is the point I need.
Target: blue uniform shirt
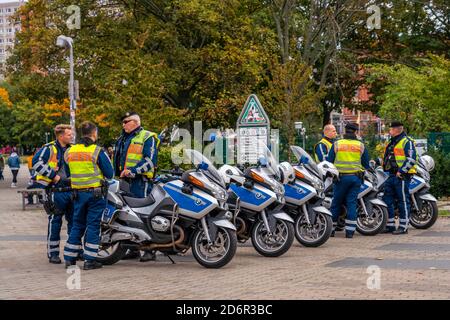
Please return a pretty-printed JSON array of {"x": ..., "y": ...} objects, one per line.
[
  {"x": 321, "y": 149},
  {"x": 41, "y": 158}
]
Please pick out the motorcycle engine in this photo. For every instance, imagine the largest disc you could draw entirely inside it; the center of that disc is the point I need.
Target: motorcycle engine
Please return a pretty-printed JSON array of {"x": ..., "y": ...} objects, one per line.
[{"x": 160, "y": 224}]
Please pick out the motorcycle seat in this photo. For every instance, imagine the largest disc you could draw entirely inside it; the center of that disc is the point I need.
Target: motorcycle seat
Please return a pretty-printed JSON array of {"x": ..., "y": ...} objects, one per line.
[{"x": 139, "y": 202}]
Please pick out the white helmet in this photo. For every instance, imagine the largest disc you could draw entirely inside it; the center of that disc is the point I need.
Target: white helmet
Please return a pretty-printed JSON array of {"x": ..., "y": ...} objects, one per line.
[
  {"x": 286, "y": 172},
  {"x": 226, "y": 171},
  {"x": 327, "y": 167},
  {"x": 427, "y": 162}
]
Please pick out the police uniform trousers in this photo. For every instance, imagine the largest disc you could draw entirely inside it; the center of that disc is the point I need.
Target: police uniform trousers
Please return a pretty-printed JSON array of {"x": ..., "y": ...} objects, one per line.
[
  {"x": 345, "y": 191},
  {"x": 396, "y": 192},
  {"x": 88, "y": 210}
]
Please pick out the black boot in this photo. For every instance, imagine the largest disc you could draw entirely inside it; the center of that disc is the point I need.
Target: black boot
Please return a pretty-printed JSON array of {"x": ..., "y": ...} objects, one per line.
[
  {"x": 92, "y": 264},
  {"x": 400, "y": 231},
  {"x": 70, "y": 263},
  {"x": 54, "y": 260},
  {"x": 148, "y": 256}
]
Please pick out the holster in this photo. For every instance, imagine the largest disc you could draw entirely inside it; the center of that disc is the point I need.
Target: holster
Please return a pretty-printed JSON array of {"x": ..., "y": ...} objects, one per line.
[{"x": 49, "y": 205}]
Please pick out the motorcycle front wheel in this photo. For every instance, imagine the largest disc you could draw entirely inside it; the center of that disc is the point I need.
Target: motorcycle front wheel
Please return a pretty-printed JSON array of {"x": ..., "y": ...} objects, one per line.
[
  {"x": 374, "y": 222},
  {"x": 275, "y": 244},
  {"x": 317, "y": 233},
  {"x": 426, "y": 217},
  {"x": 216, "y": 254}
]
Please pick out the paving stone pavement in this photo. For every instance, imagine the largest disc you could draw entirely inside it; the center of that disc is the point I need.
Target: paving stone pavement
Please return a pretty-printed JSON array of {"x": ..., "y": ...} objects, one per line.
[{"x": 411, "y": 267}]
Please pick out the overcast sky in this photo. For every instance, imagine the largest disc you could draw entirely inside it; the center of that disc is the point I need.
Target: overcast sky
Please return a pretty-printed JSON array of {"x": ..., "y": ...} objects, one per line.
[{"x": 6, "y": 1}]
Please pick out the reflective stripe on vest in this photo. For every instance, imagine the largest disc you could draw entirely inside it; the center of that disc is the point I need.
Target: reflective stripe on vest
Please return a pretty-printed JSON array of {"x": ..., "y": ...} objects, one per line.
[
  {"x": 327, "y": 143},
  {"x": 84, "y": 171},
  {"x": 348, "y": 155},
  {"x": 399, "y": 154},
  {"x": 136, "y": 148},
  {"x": 52, "y": 163}
]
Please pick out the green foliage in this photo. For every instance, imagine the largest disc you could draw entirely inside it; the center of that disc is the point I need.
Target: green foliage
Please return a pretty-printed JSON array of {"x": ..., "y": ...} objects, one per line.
[
  {"x": 417, "y": 96},
  {"x": 440, "y": 183}
]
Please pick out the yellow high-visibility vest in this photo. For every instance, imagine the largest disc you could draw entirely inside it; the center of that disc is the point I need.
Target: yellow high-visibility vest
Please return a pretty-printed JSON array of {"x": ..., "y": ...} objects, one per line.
[
  {"x": 348, "y": 155},
  {"x": 399, "y": 154},
  {"x": 327, "y": 143},
  {"x": 84, "y": 171},
  {"x": 52, "y": 163},
  {"x": 135, "y": 149}
]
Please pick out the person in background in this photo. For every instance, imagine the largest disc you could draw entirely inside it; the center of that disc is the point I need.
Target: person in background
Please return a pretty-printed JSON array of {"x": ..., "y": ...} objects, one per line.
[
  {"x": 2, "y": 166},
  {"x": 14, "y": 165},
  {"x": 322, "y": 148}
]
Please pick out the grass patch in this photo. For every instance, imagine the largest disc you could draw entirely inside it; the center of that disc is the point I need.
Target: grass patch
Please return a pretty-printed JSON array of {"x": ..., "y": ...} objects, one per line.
[{"x": 444, "y": 213}]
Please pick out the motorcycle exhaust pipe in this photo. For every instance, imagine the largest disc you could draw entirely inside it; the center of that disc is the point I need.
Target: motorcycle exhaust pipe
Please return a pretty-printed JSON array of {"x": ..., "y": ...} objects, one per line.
[
  {"x": 242, "y": 228},
  {"x": 178, "y": 242}
]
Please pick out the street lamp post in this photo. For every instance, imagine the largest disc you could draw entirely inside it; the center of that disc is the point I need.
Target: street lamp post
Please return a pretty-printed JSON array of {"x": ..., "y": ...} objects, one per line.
[
  {"x": 67, "y": 42},
  {"x": 301, "y": 130}
]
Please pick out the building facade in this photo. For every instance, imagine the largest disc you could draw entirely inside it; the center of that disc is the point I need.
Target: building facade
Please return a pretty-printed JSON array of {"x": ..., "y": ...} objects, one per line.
[{"x": 8, "y": 28}]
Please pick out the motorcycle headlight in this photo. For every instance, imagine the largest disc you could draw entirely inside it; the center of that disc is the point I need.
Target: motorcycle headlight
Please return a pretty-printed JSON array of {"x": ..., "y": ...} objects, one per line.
[
  {"x": 220, "y": 195},
  {"x": 318, "y": 185}
]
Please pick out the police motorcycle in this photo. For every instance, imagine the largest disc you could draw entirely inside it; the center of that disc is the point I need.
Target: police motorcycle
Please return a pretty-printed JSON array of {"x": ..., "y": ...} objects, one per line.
[
  {"x": 372, "y": 214},
  {"x": 258, "y": 200},
  {"x": 424, "y": 210},
  {"x": 304, "y": 199},
  {"x": 184, "y": 211}
]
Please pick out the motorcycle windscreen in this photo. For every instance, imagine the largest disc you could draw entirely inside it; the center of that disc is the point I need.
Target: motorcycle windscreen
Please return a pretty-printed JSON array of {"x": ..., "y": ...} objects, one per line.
[
  {"x": 270, "y": 162},
  {"x": 304, "y": 158},
  {"x": 196, "y": 158}
]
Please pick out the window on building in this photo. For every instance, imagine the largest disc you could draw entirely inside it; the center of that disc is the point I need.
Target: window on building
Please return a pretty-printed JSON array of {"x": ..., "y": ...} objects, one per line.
[
  {"x": 9, "y": 30},
  {"x": 8, "y": 10},
  {"x": 10, "y": 40}
]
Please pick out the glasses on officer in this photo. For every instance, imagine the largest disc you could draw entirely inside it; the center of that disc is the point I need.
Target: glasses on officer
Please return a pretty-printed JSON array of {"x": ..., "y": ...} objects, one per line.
[{"x": 126, "y": 121}]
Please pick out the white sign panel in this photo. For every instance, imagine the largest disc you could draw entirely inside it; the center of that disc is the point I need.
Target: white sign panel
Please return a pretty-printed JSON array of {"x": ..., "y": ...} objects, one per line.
[{"x": 251, "y": 143}]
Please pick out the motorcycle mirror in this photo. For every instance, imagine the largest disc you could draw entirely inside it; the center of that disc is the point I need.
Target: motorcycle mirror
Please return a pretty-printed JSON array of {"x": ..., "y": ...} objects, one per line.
[{"x": 237, "y": 179}]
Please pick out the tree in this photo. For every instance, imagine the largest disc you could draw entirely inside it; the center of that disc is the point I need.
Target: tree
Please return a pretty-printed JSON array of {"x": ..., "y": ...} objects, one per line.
[{"x": 417, "y": 96}]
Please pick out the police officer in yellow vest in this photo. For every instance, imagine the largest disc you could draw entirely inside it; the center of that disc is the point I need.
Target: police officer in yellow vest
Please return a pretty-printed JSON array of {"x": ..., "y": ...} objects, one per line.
[
  {"x": 89, "y": 166},
  {"x": 135, "y": 159},
  {"x": 322, "y": 148},
  {"x": 51, "y": 170},
  {"x": 135, "y": 156},
  {"x": 350, "y": 157},
  {"x": 399, "y": 162}
]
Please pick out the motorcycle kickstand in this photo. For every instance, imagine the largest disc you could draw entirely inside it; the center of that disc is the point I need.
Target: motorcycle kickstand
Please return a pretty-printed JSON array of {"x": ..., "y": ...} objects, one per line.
[{"x": 170, "y": 258}]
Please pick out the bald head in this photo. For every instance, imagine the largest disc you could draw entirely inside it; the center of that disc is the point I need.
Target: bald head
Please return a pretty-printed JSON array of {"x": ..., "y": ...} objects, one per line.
[{"x": 329, "y": 131}]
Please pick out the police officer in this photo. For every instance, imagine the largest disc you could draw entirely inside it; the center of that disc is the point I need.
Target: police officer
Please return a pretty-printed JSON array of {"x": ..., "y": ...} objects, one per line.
[
  {"x": 136, "y": 154},
  {"x": 52, "y": 171},
  {"x": 350, "y": 157},
  {"x": 322, "y": 148},
  {"x": 89, "y": 165},
  {"x": 135, "y": 160},
  {"x": 400, "y": 162}
]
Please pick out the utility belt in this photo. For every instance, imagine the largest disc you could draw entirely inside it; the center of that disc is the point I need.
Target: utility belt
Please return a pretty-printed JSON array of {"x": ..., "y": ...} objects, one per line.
[
  {"x": 98, "y": 192},
  {"x": 359, "y": 174}
]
